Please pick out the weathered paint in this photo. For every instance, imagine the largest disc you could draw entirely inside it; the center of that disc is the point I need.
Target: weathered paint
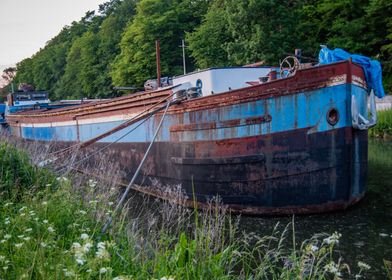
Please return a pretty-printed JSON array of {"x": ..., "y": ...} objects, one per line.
[
  {"x": 265, "y": 148},
  {"x": 270, "y": 115}
]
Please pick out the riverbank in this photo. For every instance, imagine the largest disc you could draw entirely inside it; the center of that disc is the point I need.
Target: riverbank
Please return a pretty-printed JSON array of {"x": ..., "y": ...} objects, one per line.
[
  {"x": 383, "y": 129},
  {"x": 51, "y": 229}
]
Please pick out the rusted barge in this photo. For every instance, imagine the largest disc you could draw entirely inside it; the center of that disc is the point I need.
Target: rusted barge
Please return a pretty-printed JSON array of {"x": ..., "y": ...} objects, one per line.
[{"x": 275, "y": 146}]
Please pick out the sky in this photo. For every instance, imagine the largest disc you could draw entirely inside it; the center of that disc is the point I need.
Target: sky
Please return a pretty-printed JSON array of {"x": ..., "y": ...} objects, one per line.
[{"x": 26, "y": 25}]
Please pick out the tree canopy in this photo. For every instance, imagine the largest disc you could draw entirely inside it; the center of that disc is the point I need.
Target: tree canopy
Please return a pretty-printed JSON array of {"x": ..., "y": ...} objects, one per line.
[{"x": 115, "y": 46}]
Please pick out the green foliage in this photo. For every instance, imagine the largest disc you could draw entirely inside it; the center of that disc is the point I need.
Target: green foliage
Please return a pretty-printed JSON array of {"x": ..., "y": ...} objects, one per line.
[
  {"x": 163, "y": 20},
  {"x": 18, "y": 175},
  {"x": 383, "y": 127},
  {"x": 55, "y": 233},
  {"x": 246, "y": 31}
]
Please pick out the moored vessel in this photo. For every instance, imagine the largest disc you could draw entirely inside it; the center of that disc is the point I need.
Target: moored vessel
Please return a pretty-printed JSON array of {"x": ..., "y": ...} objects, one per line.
[{"x": 266, "y": 140}]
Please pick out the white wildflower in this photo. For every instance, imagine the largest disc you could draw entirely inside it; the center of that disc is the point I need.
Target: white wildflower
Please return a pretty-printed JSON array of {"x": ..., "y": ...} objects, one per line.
[
  {"x": 50, "y": 229},
  {"x": 62, "y": 179},
  {"x": 2, "y": 241},
  {"x": 110, "y": 203},
  {"x": 2, "y": 258},
  {"x": 80, "y": 261},
  {"x": 22, "y": 209},
  {"x": 5, "y": 267},
  {"x": 93, "y": 201},
  {"x": 92, "y": 183},
  {"x": 43, "y": 244},
  {"x": 84, "y": 236},
  {"x": 22, "y": 214},
  {"x": 28, "y": 229},
  {"x": 8, "y": 204},
  {"x": 333, "y": 239},
  {"x": 45, "y": 221},
  {"x": 68, "y": 273},
  {"x": 103, "y": 270},
  {"x": 7, "y": 236},
  {"x": 82, "y": 212},
  {"x": 314, "y": 248},
  {"x": 383, "y": 235},
  {"x": 18, "y": 245},
  {"x": 101, "y": 245},
  {"x": 76, "y": 245},
  {"x": 87, "y": 247},
  {"x": 21, "y": 236},
  {"x": 102, "y": 253},
  {"x": 32, "y": 213},
  {"x": 332, "y": 268},
  {"x": 363, "y": 265},
  {"x": 26, "y": 238},
  {"x": 89, "y": 270},
  {"x": 44, "y": 203}
]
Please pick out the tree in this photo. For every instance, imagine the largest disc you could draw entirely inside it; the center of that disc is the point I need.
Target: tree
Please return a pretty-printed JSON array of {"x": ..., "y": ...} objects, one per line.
[
  {"x": 164, "y": 20},
  {"x": 207, "y": 43},
  {"x": 237, "y": 32},
  {"x": 8, "y": 74}
]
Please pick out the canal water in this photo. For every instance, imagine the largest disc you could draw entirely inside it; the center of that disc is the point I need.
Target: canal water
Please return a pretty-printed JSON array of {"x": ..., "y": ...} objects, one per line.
[{"x": 366, "y": 228}]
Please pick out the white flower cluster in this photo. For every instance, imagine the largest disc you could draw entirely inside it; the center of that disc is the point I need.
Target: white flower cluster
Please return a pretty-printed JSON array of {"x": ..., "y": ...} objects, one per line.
[
  {"x": 363, "y": 265},
  {"x": 80, "y": 250},
  {"x": 4, "y": 263},
  {"x": 62, "y": 179},
  {"x": 333, "y": 268},
  {"x": 92, "y": 183},
  {"x": 333, "y": 239},
  {"x": 102, "y": 253}
]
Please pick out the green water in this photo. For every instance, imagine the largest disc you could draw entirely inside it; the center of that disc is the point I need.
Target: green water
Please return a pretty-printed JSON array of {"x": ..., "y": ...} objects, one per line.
[{"x": 366, "y": 228}]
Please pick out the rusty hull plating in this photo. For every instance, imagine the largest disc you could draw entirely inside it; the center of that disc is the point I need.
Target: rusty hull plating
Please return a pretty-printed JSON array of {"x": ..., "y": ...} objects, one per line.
[{"x": 273, "y": 148}]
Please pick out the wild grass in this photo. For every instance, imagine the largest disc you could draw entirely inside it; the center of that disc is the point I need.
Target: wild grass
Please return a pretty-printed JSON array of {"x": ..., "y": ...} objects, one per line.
[
  {"x": 384, "y": 125},
  {"x": 50, "y": 228}
]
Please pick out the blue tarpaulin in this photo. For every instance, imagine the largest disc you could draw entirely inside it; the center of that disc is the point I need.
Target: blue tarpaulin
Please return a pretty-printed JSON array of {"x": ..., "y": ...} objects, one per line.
[{"x": 371, "y": 68}]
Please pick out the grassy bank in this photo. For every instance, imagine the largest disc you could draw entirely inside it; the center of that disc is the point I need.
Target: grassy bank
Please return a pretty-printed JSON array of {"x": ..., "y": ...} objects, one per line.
[
  {"x": 50, "y": 228},
  {"x": 383, "y": 129}
]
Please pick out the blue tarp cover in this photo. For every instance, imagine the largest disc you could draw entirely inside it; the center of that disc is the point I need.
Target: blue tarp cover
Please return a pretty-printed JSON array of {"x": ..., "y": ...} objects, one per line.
[{"x": 371, "y": 68}]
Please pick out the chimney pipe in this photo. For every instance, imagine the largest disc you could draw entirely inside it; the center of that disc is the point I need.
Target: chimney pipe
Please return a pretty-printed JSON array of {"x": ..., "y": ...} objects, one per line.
[{"x": 158, "y": 57}]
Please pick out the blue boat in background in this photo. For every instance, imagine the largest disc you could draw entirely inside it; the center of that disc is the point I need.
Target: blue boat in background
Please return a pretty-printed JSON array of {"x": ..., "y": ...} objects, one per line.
[{"x": 266, "y": 140}]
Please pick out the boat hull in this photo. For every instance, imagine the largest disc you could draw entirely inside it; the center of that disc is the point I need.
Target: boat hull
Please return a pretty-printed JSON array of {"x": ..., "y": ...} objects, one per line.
[
  {"x": 283, "y": 147},
  {"x": 284, "y": 173}
]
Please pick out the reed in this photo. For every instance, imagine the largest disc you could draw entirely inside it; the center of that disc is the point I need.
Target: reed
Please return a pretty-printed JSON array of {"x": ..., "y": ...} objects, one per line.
[
  {"x": 53, "y": 231},
  {"x": 384, "y": 125}
]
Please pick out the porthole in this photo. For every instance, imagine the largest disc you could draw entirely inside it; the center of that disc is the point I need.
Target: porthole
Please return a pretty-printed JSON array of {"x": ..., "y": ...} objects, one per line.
[{"x": 332, "y": 116}]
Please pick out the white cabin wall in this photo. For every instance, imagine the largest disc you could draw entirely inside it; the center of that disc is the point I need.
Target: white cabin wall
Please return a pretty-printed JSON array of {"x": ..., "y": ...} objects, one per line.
[
  {"x": 235, "y": 78},
  {"x": 218, "y": 80},
  {"x": 188, "y": 81}
]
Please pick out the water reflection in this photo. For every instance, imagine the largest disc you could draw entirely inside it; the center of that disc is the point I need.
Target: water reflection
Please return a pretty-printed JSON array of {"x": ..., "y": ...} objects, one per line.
[{"x": 366, "y": 228}]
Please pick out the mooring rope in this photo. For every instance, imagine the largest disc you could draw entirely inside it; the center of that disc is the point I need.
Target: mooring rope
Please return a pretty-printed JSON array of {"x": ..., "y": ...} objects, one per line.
[{"x": 128, "y": 188}]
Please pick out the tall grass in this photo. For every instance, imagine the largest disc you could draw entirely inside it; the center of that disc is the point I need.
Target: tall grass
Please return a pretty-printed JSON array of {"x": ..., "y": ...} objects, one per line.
[
  {"x": 384, "y": 124},
  {"x": 53, "y": 231}
]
